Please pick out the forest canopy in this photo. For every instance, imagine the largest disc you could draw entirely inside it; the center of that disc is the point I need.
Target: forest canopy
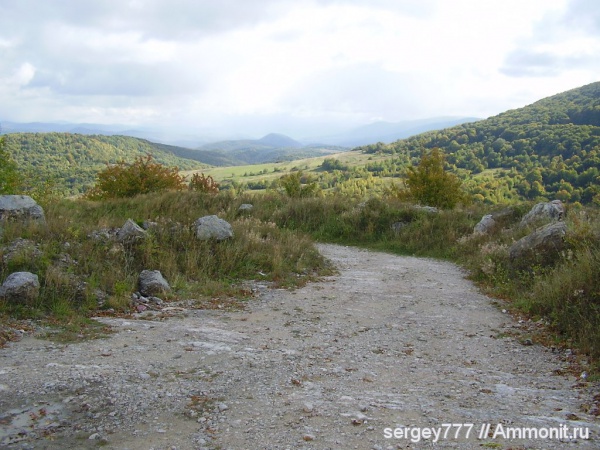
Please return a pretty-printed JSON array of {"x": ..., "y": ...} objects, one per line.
[{"x": 548, "y": 149}]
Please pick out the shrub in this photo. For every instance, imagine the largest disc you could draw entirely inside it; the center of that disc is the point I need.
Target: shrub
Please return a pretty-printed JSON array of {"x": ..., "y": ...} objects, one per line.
[
  {"x": 294, "y": 187},
  {"x": 203, "y": 183},
  {"x": 429, "y": 184},
  {"x": 141, "y": 177}
]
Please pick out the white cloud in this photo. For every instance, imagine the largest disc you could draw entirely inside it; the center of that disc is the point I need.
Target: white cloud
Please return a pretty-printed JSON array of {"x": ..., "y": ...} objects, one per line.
[{"x": 219, "y": 64}]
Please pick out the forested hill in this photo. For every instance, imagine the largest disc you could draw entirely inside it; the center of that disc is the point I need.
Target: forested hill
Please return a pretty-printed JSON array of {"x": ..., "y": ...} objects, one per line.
[
  {"x": 72, "y": 161},
  {"x": 550, "y": 148}
]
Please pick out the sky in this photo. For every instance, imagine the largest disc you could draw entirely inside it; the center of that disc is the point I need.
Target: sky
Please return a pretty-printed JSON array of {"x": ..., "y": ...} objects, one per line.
[{"x": 299, "y": 67}]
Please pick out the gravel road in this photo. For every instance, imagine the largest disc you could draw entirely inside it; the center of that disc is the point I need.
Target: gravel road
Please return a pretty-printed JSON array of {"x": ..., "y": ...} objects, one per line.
[{"x": 380, "y": 356}]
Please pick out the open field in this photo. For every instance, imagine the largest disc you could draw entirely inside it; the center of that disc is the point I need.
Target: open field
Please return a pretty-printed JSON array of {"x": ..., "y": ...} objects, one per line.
[{"x": 270, "y": 171}]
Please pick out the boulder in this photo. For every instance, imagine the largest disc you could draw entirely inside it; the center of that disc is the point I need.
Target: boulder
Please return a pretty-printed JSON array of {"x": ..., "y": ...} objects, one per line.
[
  {"x": 546, "y": 211},
  {"x": 211, "y": 227},
  {"x": 20, "y": 287},
  {"x": 246, "y": 207},
  {"x": 130, "y": 232},
  {"x": 543, "y": 246},
  {"x": 496, "y": 219},
  {"x": 151, "y": 282},
  {"x": 485, "y": 225},
  {"x": 21, "y": 208}
]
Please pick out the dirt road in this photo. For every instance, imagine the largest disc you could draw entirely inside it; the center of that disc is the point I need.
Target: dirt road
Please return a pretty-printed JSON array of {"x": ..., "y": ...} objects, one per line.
[{"x": 382, "y": 355}]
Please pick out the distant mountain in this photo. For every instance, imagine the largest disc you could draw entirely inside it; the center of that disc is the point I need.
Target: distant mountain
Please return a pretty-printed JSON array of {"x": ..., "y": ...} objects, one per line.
[
  {"x": 549, "y": 149},
  {"x": 279, "y": 140},
  {"x": 270, "y": 148},
  {"x": 154, "y": 135},
  {"x": 47, "y": 127},
  {"x": 388, "y": 132}
]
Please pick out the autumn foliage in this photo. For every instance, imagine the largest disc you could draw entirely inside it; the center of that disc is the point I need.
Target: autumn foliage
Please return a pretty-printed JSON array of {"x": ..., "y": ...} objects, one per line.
[
  {"x": 203, "y": 183},
  {"x": 140, "y": 177}
]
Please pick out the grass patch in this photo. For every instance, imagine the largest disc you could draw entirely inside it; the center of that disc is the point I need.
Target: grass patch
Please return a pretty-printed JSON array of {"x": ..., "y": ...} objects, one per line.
[{"x": 78, "y": 262}]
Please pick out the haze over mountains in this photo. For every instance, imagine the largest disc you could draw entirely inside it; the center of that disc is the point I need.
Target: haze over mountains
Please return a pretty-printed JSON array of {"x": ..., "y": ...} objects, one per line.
[
  {"x": 549, "y": 149},
  {"x": 380, "y": 131}
]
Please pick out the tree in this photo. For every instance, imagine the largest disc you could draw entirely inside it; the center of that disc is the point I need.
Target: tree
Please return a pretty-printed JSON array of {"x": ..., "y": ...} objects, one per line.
[
  {"x": 141, "y": 177},
  {"x": 9, "y": 176},
  {"x": 293, "y": 186},
  {"x": 429, "y": 184}
]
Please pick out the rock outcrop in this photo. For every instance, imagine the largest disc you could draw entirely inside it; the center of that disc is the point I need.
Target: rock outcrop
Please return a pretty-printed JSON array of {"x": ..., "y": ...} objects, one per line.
[
  {"x": 151, "y": 282},
  {"x": 543, "y": 246},
  {"x": 544, "y": 212},
  {"x": 485, "y": 225},
  {"x": 20, "y": 248},
  {"x": 491, "y": 221},
  {"x": 21, "y": 208},
  {"x": 212, "y": 227},
  {"x": 246, "y": 207},
  {"x": 20, "y": 287},
  {"x": 131, "y": 232}
]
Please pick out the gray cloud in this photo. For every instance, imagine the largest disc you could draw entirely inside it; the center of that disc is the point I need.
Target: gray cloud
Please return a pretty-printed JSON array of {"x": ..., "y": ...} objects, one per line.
[
  {"x": 524, "y": 63},
  {"x": 582, "y": 18},
  {"x": 120, "y": 79},
  {"x": 583, "y": 15},
  {"x": 174, "y": 19}
]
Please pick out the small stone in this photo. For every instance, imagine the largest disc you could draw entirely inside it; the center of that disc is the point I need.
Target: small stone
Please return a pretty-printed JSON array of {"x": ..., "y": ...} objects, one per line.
[
  {"x": 308, "y": 407},
  {"x": 309, "y": 437},
  {"x": 95, "y": 437},
  {"x": 151, "y": 282}
]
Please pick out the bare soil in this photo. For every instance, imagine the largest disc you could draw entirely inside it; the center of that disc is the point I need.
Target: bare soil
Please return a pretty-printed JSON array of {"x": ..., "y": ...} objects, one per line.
[{"x": 389, "y": 345}]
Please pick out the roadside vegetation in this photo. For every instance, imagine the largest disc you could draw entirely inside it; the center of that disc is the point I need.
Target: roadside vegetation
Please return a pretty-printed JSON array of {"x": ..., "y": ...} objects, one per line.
[{"x": 378, "y": 205}]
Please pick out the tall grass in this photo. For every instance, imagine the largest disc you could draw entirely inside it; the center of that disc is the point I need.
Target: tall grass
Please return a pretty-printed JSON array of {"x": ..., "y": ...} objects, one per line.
[
  {"x": 274, "y": 241},
  {"x": 77, "y": 265}
]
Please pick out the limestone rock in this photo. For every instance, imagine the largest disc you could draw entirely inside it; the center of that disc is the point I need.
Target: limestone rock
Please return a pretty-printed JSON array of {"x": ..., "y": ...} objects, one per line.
[
  {"x": 246, "y": 207},
  {"x": 20, "y": 287},
  {"x": 545, "y": 211},
  {"x": 212, "y": 227},
  {"x": 20, "y": 248},
  {"x": 21, "y": 208},
  {"x": 130, "y": 232},
  {"x": 485, "y": 225},
  {"x": 543, "y": 246},
  {"x": 151, "y": 282}
]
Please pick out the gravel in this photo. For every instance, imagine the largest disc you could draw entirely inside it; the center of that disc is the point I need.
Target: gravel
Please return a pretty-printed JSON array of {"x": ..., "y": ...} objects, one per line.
[{"x": 390, "y": 343}]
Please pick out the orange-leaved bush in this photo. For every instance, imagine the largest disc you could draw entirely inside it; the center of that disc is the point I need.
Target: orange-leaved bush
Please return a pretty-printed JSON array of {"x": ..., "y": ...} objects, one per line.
[
  {"x": 140, "y": 177},
  {"x": 203, "y": 183}
]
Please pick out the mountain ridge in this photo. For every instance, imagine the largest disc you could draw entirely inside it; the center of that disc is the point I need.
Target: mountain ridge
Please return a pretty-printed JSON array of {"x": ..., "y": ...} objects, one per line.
[{"x": 550, "y": 148}]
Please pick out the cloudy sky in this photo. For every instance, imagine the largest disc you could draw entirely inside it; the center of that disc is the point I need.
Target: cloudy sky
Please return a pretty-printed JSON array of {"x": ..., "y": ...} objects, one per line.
[{"x": 301, "y": 67}]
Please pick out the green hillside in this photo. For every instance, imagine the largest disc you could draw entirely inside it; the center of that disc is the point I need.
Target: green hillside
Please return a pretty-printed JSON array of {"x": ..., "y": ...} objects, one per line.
[
  {"x": 548, "y": 149},
  {"x": 72, "y": 161},
  {"x": 272, "y": 148}
]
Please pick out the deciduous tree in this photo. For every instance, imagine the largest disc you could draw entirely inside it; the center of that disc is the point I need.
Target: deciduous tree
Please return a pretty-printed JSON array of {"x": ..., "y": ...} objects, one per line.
[{"x": 429, "y": 184}]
